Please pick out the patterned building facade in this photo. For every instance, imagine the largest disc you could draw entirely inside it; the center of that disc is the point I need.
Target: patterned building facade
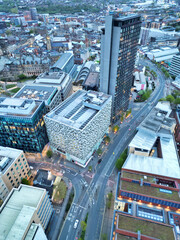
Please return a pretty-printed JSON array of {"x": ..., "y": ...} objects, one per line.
[{"x": 77, "y": 127}]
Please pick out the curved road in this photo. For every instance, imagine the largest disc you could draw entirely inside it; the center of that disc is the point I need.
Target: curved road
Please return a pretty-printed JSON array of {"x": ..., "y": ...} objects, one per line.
[{"x": 92, "y": 200}]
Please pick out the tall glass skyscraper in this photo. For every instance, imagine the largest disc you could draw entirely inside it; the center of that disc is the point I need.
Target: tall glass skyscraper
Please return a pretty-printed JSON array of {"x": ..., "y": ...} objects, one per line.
[{"x": 119, "y": 42}]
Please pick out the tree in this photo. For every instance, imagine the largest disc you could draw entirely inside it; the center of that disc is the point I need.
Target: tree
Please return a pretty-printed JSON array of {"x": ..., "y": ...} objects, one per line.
[
  {"x": 120, "y": 161},
  {"x": 177, "y": 101},
  {"x": 162, "y": 99},
  {"x": 14, "y": 10},
  {"x": 115, "y": 128},
  {"x": 25, "y": 181},
  {"x": 90, "y": 168},
  {"x": 170, "y": 98},
  {"x": 31, "y": 31},
  {"x": 148, "y": 68},
  {"x": 107, "y": 139},
  {"x": 8, "y": 32},
  {"x": 104, "y": 237},
  {"x": 49, "y": 153},
  {"x": 99, "y": 151},
  {"x": 83, "y": 225},
  {"x": 22, "y": 76}
]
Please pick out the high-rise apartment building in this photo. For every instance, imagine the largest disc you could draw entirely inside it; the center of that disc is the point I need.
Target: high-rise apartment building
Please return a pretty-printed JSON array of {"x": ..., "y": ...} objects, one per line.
[
  {"x": 34, "y": 14},
  {"x": 119, "y": 41},
  {"x": 175, "y": 66},
  {"x": 13, "y": 168},
  {"x": 22, "y": 125}
]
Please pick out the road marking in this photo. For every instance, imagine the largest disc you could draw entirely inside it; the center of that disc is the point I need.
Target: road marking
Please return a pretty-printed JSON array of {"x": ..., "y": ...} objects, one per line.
[
  {"x": 69, "y": 228},
  {"x": 75, "y": 209}
]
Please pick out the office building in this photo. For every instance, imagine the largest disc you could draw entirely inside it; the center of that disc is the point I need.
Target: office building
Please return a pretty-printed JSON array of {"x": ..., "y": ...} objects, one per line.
[
  {"x": 77, "y": 126},
  {"x": 61, "y": 81},
  {"x": 13, "y": 168},
  {"x": 148, "y": 190},
  {"x": 175, "y": 66},
  {"x": 51, "y": 95},
  {"x": 25, "y": 214},
  {"x": 22, "y": 125},
  {"x": 119, "y": 42},
  {"x": 162, "y": 54},
  {"x": 34, "y": 14}
]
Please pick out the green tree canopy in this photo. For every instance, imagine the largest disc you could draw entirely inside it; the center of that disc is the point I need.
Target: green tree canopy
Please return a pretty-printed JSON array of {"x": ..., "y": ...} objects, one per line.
[
  {"x": 22, "y": 76},
  {"x": 177, "y": 101},
  {"x": 120, "y": 161},
  {"x": 14, "y": 10},
  {"x": 170, "y": 98},
  {"x": 83, "y": 225},
  {"x": 115, "y": 128},
  {"x": 49, "y": 153},
  {"x": 25, "y": 181}
]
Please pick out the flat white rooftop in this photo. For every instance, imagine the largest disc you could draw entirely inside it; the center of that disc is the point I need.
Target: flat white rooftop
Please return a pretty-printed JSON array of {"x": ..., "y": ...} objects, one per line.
[
  {"x": 17, "y": 211},
  {"x": 17, "y": 106},
  {"x": 167, "y": 166},
  {"x": 78, "y": 110},
  {"x": 143, "y": 140},
  {"x": 7, "y": 156},
  {"x": 56, "y": 79}
]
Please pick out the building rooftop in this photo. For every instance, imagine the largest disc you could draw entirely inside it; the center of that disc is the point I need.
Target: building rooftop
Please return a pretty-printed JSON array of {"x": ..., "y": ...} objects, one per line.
[
  {"x": 158, "y": 119},
  {"x": 143, "y": 140},
  {"x": 18, "y": 107},
  {"x": 149, "y": 191},
  {"x": 17, "y": 211},
  {"x": 7, "y": 157},
  {"x": 62, "y": 60},
  {"x": 92, "y": 79},
  {"x": 55, "y": 79},
  {"x": 131, "y": 225},
  {"x": 78, "y": 110},
  {"x": 38, "y": 92},
  {"x": 167, "y": 166}
]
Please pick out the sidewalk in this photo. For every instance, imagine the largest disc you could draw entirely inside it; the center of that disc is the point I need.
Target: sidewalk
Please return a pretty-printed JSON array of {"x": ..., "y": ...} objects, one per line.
[
  {"x": 57, "y": 221},
  {"x": 108, "y": 213}
]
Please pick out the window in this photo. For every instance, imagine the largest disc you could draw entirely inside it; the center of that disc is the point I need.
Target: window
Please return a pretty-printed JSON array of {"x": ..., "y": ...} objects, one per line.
[
  {"x": 7, "y": 174},
  {"x": 15, "y": 164},
  {"x": 9, "y": 178},
  {"x": 11, "y": 169},
  {"x": 18, "y": 160}
]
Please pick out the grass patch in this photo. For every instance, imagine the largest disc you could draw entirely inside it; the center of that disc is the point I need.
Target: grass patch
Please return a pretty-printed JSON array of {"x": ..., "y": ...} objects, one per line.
[
  {"x": 10, "y": 86},
  {"x": 137, "y": 177},
  {"x": 59, "y": 191},
  {"x": 69, "y": 202},
  {"x": 15, "y": 90},
  {"x": 149, "y": 191},
  {"x": 147, "y": 228}
]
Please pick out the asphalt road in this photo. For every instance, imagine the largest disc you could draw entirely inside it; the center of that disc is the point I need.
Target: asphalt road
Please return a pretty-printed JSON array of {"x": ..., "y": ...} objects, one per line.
[{"x": 92, "y": 198}]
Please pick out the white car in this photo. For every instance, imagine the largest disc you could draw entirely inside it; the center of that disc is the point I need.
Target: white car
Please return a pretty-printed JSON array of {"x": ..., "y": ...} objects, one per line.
[{"x": 76, "y": 223}]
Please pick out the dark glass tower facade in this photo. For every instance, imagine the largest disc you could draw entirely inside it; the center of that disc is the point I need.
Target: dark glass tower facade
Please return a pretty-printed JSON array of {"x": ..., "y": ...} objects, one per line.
[
  {"x": 119, "y": 42},
  {"x": 22, "y": 125}
]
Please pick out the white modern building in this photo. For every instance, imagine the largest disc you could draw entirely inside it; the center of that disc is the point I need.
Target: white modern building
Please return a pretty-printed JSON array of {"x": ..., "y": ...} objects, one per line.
[
  {"x": 77, "y": 126},
  {"x": 25, "y": 214},
  {"x": 163, "y": 54}
]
